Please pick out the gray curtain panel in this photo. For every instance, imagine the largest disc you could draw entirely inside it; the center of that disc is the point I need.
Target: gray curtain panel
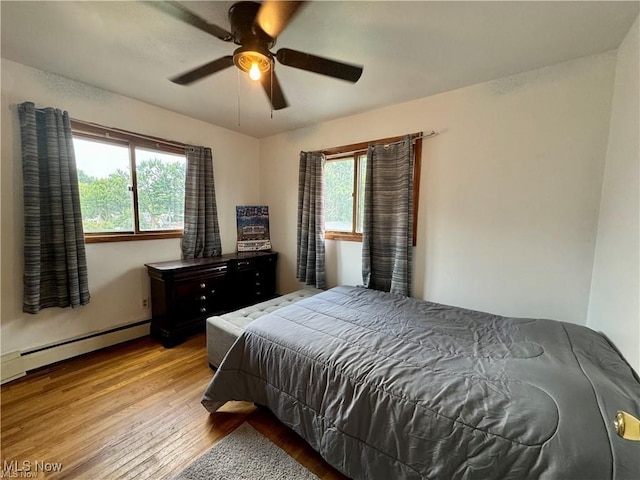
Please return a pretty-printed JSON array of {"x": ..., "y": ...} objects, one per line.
[
  {"x": 310, "y": 254},
  {"x": 55, "y": 264},
  {"x": 201, "y": 236},
  {"x": 387, "y": 237}
]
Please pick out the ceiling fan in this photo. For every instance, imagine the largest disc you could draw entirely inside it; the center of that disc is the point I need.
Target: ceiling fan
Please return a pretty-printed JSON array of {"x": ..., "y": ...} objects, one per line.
[{"x": 255, "y": 27}]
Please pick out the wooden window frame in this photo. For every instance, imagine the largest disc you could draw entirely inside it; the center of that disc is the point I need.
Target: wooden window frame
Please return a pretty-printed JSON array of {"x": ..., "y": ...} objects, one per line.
[
  {"x": 115, "y": 136},
  {"x": 354, "y": 151},
  {"x": 352, "y": 236}
]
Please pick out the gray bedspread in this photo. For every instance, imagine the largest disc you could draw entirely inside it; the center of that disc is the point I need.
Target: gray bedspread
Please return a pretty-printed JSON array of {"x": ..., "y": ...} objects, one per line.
[{"x": 390, "y": 387}]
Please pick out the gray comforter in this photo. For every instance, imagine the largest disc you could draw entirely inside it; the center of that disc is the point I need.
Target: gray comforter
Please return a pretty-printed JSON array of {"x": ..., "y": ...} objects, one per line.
[{"x": 389, "y": 387}]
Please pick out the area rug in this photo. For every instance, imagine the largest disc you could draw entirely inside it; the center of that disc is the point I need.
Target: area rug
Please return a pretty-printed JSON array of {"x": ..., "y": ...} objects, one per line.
[{"x": 245, "y": 454}]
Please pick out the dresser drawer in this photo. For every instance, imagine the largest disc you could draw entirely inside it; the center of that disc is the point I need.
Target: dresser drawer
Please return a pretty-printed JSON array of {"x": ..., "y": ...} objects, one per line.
[
  {"x": 201, "y": 296},
  {"x": 256, "y": 280}
]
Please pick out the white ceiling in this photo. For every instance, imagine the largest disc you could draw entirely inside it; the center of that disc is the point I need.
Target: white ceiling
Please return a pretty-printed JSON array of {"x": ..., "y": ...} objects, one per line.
[{"x": 409, "y": 50}]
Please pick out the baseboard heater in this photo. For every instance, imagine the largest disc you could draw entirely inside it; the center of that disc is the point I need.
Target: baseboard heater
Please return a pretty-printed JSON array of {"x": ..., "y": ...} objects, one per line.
[{"x": 17, "y": 364}]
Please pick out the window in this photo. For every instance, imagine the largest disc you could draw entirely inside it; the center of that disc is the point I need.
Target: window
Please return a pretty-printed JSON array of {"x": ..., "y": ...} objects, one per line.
[
  {"x": 131, "y": 187},
  {"x": 344, "y": 172},
  {"x": 344, "y": 195}
]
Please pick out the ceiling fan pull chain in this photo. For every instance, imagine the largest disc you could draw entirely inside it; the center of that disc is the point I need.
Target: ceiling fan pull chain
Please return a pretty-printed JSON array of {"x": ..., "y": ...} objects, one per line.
[
  {"x": 238, "y": 90},
  {"x": 271, "y": 73}
]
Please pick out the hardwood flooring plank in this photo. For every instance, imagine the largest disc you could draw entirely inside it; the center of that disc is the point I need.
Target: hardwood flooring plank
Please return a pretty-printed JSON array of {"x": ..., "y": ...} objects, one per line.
[{"x": 129, "y": 411}]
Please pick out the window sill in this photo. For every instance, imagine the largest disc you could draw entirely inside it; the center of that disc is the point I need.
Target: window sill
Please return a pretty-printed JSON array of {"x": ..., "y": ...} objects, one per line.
[
  {"x": 349, "y": 237},
  {"x": 128, "y": 237}
]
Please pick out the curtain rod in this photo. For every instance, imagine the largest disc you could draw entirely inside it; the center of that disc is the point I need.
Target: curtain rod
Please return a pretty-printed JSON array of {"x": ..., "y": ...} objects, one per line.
[
  {"x": 432, "y": 133},
  {"x": 148, "y": 138}
]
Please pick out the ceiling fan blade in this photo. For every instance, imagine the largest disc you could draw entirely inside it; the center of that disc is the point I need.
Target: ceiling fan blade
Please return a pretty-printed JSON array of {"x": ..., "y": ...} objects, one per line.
[
  {"x": 183, "y": 14},
  {"x": 323, "y": 66},
  {"x": 278, "y": 102},
  {"x": 274, "y": 16},
  {"x": 204, "y": 70}
]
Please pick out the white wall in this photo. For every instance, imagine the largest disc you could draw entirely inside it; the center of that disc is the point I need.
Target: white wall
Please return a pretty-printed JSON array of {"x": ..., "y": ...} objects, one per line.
[
  {"x": 117, "y": 277},
  {"x": 510, "y": 189},
  {"x": 615, "y": 290},
  {"x": 510, "y": 193}
]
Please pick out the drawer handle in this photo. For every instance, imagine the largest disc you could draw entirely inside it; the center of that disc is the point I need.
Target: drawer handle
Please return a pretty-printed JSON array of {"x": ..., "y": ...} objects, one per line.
[
  {"x": 257, "y": 274},
  {"x": 241, "y": 264},
  {"x": 220, "y": 269},
  {"x": 213, "y": 292},
  {"x": 258, "y": 284},
  {"x": 203, "y": 285},
  {"x": 203, "y": 309},
  {"x": 203, "y": 298}
]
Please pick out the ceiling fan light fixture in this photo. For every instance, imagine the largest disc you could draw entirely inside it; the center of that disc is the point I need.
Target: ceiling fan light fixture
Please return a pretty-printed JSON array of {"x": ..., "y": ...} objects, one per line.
[
  {"x": 254, "y": 72},
  {"x": 254, "y": 28},
  {"x": 252, "y": 62}
]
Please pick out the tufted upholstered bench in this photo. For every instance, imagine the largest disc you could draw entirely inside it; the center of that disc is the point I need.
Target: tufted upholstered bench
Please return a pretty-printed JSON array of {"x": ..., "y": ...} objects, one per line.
[{"x": 223, "y": 330}]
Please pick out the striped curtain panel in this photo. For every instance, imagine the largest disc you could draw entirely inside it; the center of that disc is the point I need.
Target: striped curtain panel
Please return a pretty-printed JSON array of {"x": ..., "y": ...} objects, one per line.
[
  {"x": 387, "y": 237},
  {"x": 55, "y": 264},
  {"x": 201, "y": 236},
  {"x": 310, "y": 254}
]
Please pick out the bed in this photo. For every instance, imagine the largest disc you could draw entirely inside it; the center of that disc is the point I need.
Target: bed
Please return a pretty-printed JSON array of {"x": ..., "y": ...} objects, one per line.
[{"x": 389, "y": 387}]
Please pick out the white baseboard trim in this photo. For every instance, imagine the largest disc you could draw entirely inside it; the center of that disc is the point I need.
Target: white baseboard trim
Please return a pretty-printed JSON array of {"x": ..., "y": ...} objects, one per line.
[
  {"x": 16, "y": 364},
  {"x": 11, "y": 367}
]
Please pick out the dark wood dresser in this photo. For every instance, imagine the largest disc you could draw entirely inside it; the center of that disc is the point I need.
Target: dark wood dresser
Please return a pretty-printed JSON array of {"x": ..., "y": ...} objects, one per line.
[{"x": 185, "y": 292}]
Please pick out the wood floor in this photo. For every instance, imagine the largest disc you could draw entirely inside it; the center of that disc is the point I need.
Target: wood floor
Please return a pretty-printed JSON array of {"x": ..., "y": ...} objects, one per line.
[{"x": 129, "y": 411}]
